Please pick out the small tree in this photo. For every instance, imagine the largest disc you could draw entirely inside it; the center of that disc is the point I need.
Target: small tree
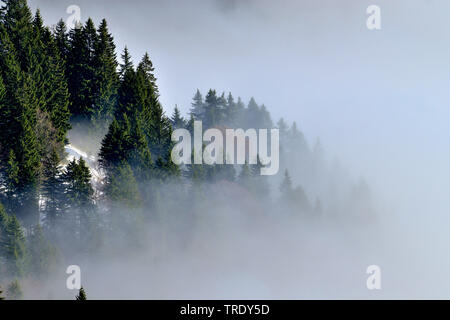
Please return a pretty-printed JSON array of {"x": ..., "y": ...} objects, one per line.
[{"x": 81, "y": 295}]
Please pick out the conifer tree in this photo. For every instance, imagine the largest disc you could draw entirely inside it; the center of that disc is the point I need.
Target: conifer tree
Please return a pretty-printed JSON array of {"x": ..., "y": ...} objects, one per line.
[
  {"x": 27, "y": 154},
  {"x": 177, "y": 120},
  {"x": 62, "y": 39},
  {"x": 80, "y": 198},
  {"x": 122, "y": 187},
  {"x": 17, "y": 20},
  {"x": 252, "y": 115},
  {"x": 12, "y": 244},
  {"x": 106, "y": 78},
  {"x": 213, "y": 111},
  {"x": 52, "y": 191},
  {"x": 231, "y": 111},
  {"x": 80, "y": 72},
  {"x": 127, "y": 93},
  {"x": 81, "y": 295},
  {"x": 197, "y": 108}
]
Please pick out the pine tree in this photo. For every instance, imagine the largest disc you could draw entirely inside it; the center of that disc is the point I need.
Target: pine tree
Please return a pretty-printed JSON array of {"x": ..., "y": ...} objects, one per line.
[
  {"x": 81, "y": 295},
  {"x": 252, "y": 115},
  {"x": 116, "y": 144},
  {"x": 12, "y": 244},
  {"x": 231, "y": 111},
  {"x": 12, "y": 182},
  {"x": 62, "y": 39},
  {"x": 127, "y": 100},
  {"x": 106, "y": 78},
  {"x": 52, "y": 191},
  {"x": 212, "y": 110},
  {"x": 197, "y": 108},
  {"x": 17, "y": 20},
  {"x": 79, "y": 73},
  {"x": 27, "y": 155},
  {"x": 122, "y": 187},
  {"x": 79, "y": 195},
  {"x": 177, "y": 120}
]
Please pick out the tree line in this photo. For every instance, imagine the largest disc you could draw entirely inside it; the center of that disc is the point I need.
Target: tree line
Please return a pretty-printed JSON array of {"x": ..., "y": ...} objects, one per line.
[{"x": 52, "y": 79}]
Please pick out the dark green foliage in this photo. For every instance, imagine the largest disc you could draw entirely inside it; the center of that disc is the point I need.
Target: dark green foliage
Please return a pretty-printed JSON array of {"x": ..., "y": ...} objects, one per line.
[
  {"x": 80, "y": 212},
  {"x": 81, "y": 295},
  {"x": 106, "y": 80},
  {"x": 13, "y": 249},
  {"x": 62, "y": 39},
  {"x": 122, "y": 186},
  {"x": 53, "y": 191}
]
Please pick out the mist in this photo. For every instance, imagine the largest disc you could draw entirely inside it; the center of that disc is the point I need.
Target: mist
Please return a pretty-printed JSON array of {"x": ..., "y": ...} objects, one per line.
[{"x": 376, "y": 100}]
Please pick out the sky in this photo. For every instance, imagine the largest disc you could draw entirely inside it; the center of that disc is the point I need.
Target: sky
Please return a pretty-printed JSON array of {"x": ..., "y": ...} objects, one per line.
[{"x": 378, "y": 99}]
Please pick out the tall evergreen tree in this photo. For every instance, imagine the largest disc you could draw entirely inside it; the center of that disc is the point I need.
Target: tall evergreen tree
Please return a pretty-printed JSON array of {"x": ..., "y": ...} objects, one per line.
[
  {"x": 197, "y": 107},
  {"x": 27, "y": 154},
  {"x": 52, "y": 191},
  {"x": 62, "y": 39},
  {"x": 106, "y": 77},
  {"x": 80, "y": 205},
  {"x": 213, "y": 111},
  {"x": 12, "y": 244},
  {"x": 177, "y": 120}
]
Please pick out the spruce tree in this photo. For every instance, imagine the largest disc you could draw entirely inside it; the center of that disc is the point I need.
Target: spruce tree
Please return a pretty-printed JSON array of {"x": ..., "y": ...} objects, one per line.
[
  {"x": 197, "y": 108},
  {"x": 81, "y": 295},
  {"x": 212, "y": 110},
  {"x": 52, "y": 191},
  {"x": 106, "y": 78},
  {"x": 79, "y": 195},
  {"x": 17, "y": 20},
  {"x": 177, "y": 120},
  {"x": 79, "y": 73},
  {"x": 13, "y": 248},
  {"x": 62, "y": 39},
  {"x": 231, "y": 111},
  {"x": 27, "y": 154}
]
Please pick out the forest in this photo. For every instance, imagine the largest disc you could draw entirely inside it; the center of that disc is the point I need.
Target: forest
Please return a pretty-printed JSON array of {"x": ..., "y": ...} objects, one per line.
[{"x": 62, "y": 89}]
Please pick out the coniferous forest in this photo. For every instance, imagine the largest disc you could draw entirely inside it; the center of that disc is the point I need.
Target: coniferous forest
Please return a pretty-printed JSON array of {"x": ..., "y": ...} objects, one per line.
[{"x": 85, "y": 168}]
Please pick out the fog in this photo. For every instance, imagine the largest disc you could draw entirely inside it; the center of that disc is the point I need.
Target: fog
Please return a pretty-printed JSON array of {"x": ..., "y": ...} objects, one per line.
[{"x": 377, "y": 100}]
